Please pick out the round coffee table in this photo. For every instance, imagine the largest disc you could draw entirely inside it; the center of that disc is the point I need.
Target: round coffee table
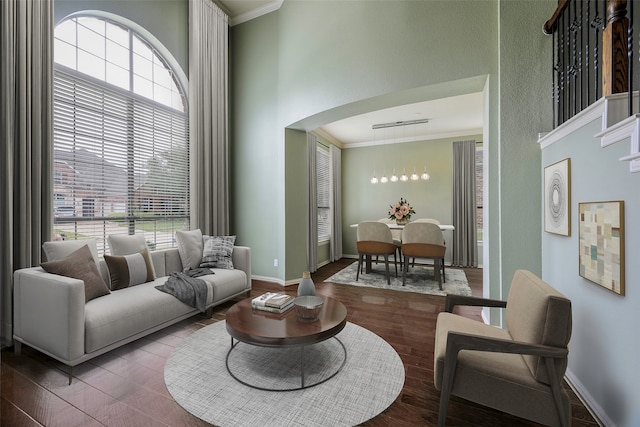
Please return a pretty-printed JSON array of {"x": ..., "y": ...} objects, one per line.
[{"x": 264, "y": 329}]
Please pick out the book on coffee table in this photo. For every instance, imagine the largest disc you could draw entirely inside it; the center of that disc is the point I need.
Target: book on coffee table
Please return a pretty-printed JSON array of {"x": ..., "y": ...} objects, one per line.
[{"x": 273, "y": 302}]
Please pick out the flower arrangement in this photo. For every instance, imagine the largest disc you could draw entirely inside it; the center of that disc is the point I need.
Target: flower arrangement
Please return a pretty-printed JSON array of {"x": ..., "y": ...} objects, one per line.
[{"x": 401, "y": 210}]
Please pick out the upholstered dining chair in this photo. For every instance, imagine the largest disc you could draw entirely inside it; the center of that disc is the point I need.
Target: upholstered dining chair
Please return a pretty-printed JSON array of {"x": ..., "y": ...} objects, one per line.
[
  {"x": 518, "y": 369},
  {"x": 395, "y": 233},
  {"x": 423, "y": 240},
  {"x": 444, "y": 242},
  {"x": 374, "y": 238}
]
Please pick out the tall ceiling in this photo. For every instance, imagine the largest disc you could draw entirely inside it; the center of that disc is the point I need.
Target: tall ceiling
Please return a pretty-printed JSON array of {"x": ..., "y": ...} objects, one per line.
[{"x": 459, "y": 115}]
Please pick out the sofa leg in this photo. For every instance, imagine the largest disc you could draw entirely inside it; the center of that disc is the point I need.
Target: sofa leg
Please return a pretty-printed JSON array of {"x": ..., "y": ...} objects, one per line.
[
  {"x": 70, "y": 371},
  {"x": 17, "y": 347},
  {"x": 209, "y": 312}
]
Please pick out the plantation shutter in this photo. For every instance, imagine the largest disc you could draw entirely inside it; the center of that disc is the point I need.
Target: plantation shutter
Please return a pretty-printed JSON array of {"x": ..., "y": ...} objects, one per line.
[{"x": 323, "y": 194}]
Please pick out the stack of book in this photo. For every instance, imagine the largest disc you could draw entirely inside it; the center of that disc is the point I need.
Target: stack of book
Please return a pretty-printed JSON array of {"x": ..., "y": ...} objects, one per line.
[{"x": 273, "y": 302}]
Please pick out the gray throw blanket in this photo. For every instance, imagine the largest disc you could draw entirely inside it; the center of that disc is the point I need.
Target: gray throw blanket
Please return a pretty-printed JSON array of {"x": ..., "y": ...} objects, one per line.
[{"x": 188, "y": 289}]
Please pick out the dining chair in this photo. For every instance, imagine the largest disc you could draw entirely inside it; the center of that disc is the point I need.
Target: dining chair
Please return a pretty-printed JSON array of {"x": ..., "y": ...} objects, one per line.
[
  {"x": 395, "y": 233},
  {"x": 432, "y": 221},
  {"x": 423, "y": 240},
  {"x": 374, "y": 238}
]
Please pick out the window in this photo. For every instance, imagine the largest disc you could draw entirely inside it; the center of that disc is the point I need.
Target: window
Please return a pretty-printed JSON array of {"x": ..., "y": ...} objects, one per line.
[
  {"x": 323, "y": 194},
  {"x": 120, "y": 136}
]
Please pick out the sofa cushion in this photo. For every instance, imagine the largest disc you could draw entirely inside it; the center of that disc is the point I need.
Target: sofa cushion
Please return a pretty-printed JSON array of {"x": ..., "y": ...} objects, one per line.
[
  {"x": 129, "y": 270},
  {"x": 218, "y": 252},
  {"x": 130, "y": 311},
  {"x": 190, "y": 246},
  {"x": 126, "y": 244},
  {"x": 60, "y": 249},
  {"x": 225, "y": 283},
  {"x": 80, "y": 265}
]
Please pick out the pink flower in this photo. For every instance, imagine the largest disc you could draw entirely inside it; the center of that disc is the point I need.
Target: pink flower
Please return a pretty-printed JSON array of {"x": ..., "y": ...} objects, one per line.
[
  {"x": 399, "y": 215},
  {"x": 404, "y": 209}
]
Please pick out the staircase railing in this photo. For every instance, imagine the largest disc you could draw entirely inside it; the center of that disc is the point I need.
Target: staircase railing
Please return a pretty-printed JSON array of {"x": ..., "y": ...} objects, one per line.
[{"x": 592, "y": 54}]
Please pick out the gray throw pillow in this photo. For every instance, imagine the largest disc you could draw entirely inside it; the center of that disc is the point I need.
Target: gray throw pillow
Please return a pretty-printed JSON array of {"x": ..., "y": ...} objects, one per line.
[
  {"x": 218, "y": 251},
  {"x": 130, "y": 270},
  {"x": 190, "y": 247},
  {"x": 80, "y": 265}
]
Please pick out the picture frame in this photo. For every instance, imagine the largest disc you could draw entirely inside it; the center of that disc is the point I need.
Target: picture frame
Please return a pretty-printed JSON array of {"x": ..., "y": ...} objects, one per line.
[
  {"x": 557, "y": 198},
  {"x": 601, "y": 244}
]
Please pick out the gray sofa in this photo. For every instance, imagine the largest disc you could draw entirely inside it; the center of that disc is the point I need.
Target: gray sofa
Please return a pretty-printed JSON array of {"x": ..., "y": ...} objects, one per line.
[{"x": 51, "y": 316}]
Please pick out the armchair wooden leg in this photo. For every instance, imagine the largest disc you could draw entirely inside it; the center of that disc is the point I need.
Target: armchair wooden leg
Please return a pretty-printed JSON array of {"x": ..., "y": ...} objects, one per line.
[{"x": 555, "y": 389}]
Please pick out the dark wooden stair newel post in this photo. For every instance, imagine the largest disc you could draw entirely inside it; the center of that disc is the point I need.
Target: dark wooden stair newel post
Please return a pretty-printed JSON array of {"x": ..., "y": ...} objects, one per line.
[{"x": 615, "y": 60}]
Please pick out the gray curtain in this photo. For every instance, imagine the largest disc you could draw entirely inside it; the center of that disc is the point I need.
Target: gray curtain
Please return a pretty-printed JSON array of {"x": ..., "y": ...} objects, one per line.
[
  {"x": 335, "y": 247},
  {"x": 26, "y": 129},
  {"x": 208, "y": 117},
  {"x": 312, "y": 220},
  {"x": 465, "y": 252}
]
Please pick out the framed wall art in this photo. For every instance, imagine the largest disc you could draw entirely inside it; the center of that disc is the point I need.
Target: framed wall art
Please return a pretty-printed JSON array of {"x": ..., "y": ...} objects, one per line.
[
  {"x": 557, "y": 198},
  {"x": 601, "y": 244}
]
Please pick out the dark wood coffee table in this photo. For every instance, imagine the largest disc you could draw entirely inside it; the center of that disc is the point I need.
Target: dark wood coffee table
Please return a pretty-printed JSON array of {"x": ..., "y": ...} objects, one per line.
[{"x": 256, "y": 327}]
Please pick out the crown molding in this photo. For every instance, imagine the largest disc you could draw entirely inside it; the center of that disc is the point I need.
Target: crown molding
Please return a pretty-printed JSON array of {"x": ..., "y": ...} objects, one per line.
[{"x": 255, "y": 13}]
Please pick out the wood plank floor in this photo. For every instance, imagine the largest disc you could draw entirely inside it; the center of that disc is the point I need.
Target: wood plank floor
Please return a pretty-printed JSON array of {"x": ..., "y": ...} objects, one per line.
[{"x": 126, "y": 387}]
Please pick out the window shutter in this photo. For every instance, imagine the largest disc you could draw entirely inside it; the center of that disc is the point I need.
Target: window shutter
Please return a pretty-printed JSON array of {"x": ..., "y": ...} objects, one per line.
[{"x": 323, "y": 194}]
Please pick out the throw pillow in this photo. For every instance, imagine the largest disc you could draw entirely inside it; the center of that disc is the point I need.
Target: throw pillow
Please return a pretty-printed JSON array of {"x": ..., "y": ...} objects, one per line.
[
  {"x": 125, "y": 244},
  {"x": 217, "y": 252},
  {"x": 130, "y": 270},
  {"x": 60, "y": 249},
  {"x": 190, "y": 247},
  {"x": 80, "y": 265}
]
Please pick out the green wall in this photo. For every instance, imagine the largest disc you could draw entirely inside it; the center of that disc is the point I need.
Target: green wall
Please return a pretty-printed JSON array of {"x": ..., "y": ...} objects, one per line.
[{"x": 359, "y": 56}]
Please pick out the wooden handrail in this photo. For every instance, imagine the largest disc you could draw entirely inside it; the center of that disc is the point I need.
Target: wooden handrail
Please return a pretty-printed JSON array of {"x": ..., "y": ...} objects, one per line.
[{"x": 547, "y": 28}]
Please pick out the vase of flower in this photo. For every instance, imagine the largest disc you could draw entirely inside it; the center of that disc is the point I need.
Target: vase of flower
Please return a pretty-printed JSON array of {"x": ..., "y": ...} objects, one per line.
[{"x": 401, "y": 212}]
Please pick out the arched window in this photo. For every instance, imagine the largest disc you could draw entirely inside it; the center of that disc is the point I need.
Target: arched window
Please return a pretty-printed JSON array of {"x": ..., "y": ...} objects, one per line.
[{"x": 121, "y": 157}]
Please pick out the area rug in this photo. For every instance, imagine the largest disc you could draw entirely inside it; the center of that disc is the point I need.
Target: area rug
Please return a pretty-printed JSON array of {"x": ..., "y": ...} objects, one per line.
[
  {"x": 419, "y": 279},
  {"x": 370, "y": 381}
]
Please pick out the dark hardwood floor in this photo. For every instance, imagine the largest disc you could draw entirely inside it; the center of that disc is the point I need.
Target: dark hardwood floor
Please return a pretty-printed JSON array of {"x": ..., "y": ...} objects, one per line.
[{"x": 126, "y": 386}]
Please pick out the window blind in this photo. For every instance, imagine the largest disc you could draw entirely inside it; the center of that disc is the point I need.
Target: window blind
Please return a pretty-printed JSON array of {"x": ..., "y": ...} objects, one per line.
[
  {"x": 121, "y": 163},
  {"x": 323, "y": 194}
]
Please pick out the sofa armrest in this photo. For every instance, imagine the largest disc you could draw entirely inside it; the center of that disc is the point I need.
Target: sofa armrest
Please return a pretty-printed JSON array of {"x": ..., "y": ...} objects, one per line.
[
  {"x": 48, "y": 313},
  {"x": 241, "y": 258},
  {"x": 453, "y": 300}
]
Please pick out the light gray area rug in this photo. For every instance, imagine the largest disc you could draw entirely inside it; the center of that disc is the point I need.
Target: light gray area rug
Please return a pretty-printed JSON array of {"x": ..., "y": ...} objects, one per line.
[
  {"x": 370, "y": 381},
  {"x": 420, "y": 279}
]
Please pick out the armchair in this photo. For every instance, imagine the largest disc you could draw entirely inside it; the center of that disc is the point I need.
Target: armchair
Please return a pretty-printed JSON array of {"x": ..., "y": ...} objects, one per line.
[{"x": 518, "y": 370}]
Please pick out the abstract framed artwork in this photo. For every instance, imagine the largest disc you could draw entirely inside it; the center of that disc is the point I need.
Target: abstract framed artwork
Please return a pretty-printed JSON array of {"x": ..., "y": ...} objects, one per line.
[
  {"x": 601, "y": 244},
  {"x": 557, "y": 198}
]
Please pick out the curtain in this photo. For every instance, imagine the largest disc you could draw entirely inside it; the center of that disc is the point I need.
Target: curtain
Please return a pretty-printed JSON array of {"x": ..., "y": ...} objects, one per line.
[
  {"x": 464, "y": 204},
  {"x": 335, "y": 165},
  {"x": 26, "y": 128},
  {"x": 312, "y": 221},
  {"x": 208, "y": 117}
]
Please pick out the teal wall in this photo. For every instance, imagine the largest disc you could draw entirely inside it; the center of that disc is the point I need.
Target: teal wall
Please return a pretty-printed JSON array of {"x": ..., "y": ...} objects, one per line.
[
  {"x": 364, "y": 201},
  {"x": 604, "y": 348},
  {"x": 359, "y": 57}
]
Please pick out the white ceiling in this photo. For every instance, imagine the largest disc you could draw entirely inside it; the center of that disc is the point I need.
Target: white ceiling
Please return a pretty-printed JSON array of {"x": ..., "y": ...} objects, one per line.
[
  {"x": 448, "y": 117},
  {"x": 459, "y": 115}
]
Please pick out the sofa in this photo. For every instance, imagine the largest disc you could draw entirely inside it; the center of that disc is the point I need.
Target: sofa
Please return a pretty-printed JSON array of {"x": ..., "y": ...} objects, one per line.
[{"x": 52, "y": 313}]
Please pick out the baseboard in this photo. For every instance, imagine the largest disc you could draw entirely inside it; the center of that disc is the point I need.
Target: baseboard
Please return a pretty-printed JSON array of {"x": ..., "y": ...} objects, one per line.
[
  {"x": 589, "y": 402},
  {"x": 268, "y": 279}
]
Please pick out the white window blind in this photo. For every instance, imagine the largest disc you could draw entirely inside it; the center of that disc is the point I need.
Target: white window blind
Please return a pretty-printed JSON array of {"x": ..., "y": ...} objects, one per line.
[
  {"x": 323, "y": 194},
  {"x": 121, "y": 159}
]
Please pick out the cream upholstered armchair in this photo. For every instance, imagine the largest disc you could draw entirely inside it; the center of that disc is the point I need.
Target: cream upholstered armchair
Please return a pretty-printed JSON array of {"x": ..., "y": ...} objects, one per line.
[
  {"x": 374, "y": 238},
  {"x": 518, "y": 370}
]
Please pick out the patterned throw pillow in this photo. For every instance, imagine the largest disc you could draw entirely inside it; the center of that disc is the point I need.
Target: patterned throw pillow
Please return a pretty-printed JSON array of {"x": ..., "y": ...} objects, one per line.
[
  {"x": 130, "y": 270},
  {"x": 80, "y": 265},
  {"x": 217, "y": 252}
]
